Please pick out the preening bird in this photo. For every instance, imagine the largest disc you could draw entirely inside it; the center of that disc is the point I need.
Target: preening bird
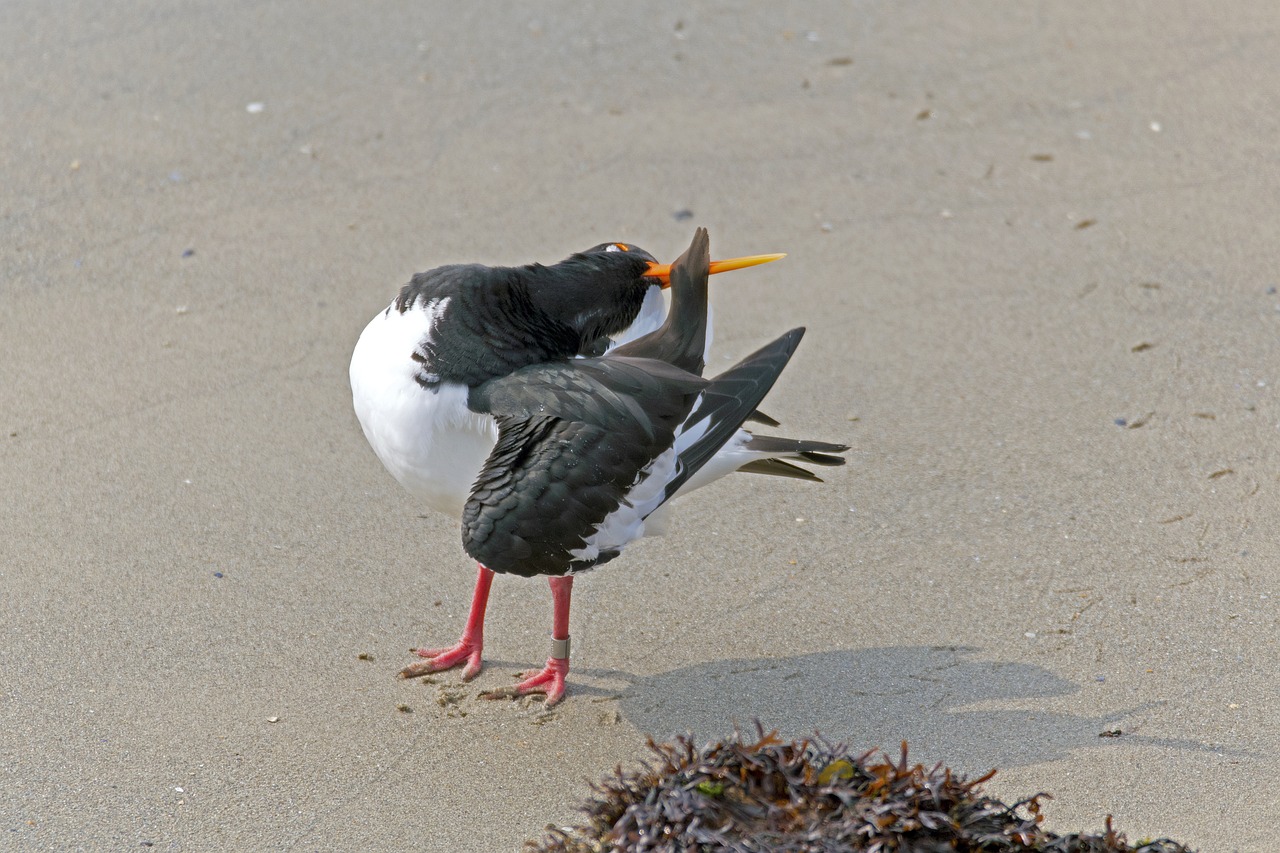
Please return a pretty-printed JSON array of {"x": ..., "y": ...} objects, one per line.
[{"x": 556, "y": 411}]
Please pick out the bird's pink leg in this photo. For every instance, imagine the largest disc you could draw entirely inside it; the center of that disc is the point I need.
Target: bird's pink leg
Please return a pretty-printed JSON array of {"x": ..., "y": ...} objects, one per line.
[
  {"x": 550, "y": 680},
  {"x": 468, "y": 647}
]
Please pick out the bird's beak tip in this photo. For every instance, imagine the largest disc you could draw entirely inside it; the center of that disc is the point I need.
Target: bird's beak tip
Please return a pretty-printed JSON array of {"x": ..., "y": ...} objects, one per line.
[
  {"x": 744, "y": 262},
  {"x": 662, "y": 272}
]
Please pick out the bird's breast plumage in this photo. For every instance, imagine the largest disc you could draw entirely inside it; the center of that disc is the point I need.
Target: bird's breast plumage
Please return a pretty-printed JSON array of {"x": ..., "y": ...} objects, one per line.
[{"x": 417, "y": 423}]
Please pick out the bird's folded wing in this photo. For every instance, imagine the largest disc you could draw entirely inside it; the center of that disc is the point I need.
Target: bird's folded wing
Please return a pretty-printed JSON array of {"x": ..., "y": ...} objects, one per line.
[
  {"x": 587, "y": 449},
  {"x": 573, "y": 439},
  {"x": 611, "y": 393}
]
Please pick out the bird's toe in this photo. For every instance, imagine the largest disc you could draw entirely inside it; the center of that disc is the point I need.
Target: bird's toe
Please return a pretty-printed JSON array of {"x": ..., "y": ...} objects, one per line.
[
  {"x": 550, "y": 680},
  {"x": 466, "y": 654}
]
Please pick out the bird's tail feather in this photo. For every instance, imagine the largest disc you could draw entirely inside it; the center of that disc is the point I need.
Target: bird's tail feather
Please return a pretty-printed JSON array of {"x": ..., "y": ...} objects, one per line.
[
  {"x": 781, "y": 449},
  {"x": 817, "y": 452}
]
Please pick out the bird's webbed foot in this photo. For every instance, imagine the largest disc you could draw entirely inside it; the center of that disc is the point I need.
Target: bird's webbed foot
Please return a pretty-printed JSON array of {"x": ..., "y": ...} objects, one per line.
[
  {"x": 550, "y": 681},
  {"x": 465, "y": 653}
]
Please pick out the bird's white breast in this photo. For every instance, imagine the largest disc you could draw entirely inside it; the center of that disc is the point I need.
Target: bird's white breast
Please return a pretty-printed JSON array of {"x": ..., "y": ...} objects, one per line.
[{"x": 426, "y": 437}]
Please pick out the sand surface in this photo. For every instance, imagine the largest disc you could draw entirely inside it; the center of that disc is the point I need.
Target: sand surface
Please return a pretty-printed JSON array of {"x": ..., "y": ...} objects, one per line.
[{"x": 1035, "y": 246}]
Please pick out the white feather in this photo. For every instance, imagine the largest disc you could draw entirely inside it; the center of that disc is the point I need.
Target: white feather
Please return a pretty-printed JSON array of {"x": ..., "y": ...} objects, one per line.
[
  {"x": 427, "y": 438},
  {"x": 435, "y": 446},
  {"x": 627, "y": 523},
  {"x": 645, "y": 495}
]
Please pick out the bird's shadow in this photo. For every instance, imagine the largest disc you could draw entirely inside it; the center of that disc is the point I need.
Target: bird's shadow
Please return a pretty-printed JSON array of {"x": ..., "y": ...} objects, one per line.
[{"x": 945, "y": 701}]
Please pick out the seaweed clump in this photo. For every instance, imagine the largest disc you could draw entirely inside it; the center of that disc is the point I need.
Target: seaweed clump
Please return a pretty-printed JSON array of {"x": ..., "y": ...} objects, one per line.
[{"x": 808, "y": 796}]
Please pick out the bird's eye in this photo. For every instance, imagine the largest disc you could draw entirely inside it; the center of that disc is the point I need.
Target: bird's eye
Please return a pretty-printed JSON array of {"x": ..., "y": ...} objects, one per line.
[{"x": 618, "y": 247}]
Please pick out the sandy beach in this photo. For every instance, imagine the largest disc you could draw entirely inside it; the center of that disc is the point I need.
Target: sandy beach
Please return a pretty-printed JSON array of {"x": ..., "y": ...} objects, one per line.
[{"x": 1034, "y": 246}]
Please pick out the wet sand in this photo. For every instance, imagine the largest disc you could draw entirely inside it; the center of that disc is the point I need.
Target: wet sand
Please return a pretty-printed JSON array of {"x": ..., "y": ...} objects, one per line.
[{"x": 1034, "y": 247}]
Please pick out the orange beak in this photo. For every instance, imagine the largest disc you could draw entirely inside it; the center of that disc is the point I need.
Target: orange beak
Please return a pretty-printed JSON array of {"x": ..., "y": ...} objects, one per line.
[{"x": 663, "y": 271}]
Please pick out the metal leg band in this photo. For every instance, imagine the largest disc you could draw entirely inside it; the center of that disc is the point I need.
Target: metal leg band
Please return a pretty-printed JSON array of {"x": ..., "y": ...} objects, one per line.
[{"x": 560, "y": 648}]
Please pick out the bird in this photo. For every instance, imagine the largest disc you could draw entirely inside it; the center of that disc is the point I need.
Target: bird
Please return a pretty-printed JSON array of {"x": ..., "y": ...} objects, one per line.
[{"x": 556, "y": 410}]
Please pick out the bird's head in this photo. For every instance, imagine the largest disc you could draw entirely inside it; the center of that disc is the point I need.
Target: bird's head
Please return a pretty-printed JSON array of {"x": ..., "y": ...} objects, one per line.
[
  {"x": 599, "y": 292},
  {"x": 632, "y": 250},
  {"x": 659, "y": 273}
]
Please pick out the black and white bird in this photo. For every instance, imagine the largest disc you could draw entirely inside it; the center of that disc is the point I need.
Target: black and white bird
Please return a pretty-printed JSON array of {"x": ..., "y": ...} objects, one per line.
[{"x": 556, "y": 410}]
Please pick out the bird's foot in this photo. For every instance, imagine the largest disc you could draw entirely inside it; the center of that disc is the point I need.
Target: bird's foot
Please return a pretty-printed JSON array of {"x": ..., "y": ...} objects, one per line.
[
  {"x": 437, "y": 660},
  {"x": 549, "y": 680}
]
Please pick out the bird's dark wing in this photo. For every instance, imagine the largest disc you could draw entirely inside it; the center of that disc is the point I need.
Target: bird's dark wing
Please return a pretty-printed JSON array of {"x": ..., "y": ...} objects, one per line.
[
  {"x": 681, "y": 340},
  {"x": 588, "y": 449},
  {"x": 573, "y": 438},
  {"x": 728, "y": 401},
  {"x": 609, "y": 392}
]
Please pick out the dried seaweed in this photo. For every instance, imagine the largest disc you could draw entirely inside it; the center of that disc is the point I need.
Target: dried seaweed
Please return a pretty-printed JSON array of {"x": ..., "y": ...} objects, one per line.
[{"x": 809, "y": 796}]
